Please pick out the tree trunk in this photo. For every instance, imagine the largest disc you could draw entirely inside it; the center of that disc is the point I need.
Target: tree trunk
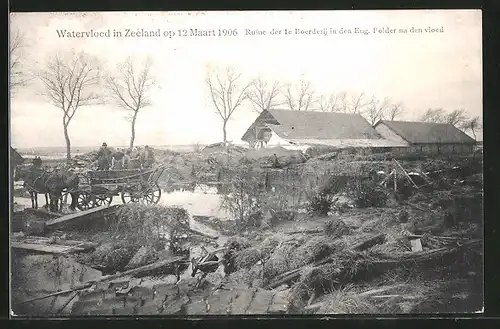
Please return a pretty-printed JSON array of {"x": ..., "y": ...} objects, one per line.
[
  {"x": 68, "y": 142},
  {"x": 224, "y": 133},
  {"x": 132, "y": 137},
  {"x": 474, "y": 134}
]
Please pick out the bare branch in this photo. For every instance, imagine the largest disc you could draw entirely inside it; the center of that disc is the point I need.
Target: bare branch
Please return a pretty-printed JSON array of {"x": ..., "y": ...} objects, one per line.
[
  {"x": 226, "y": 93},
  {"x": 19, "y": 76},
  {"x": 358, "y": 103},
  {"x": 394, "y": 111},
  {"x": 129, "y": 87},
  {"x": 473, "y": 124},
  {"x": 332, "y": 102},
  {"x": 299, "y": 97},
  {"x": 456, "y": 118},
  {"x": 434, "y": 116},
  {"x": 264, "y": 95},
  {"x": 375, "y": 109},
  {"x": 70, "y": 84}
]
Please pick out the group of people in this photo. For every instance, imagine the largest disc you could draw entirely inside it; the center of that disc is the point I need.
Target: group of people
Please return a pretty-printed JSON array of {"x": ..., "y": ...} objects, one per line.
[{"x": 130, "y": 158}]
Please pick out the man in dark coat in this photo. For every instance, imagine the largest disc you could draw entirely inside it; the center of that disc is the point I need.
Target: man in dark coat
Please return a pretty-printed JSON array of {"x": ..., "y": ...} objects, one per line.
[
  {"x": 104, "y": 157},
  {"x": 118, "y": 160},
  {"x": 148, "y": 157}
]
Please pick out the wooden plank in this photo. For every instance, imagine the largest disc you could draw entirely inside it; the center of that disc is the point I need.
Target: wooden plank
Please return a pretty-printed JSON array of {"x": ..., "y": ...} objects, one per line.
[
  {"x": 416, "y": 245},
  {"x": 46, "y": 240},
  {"x": 85, "y": 214},
  {"x": 50, "y": 249}
]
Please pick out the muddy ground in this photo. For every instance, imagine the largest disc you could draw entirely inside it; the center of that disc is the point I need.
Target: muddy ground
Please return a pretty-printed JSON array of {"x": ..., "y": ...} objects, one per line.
[{"x": 445, "y": 216}]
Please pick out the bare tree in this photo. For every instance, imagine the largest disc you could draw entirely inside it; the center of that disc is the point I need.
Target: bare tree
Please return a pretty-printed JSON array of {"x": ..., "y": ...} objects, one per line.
[
  {"x": 358, "y": 103},
  {"x": 70, "y": 83},
  {"x": 473, "y": 124},
  {"x": 456, "y": 117},
  {"x": 130, "y": 87},
  {"x": 332, "y": 102},
  {"x": 375, "y": 109},
  {"x": 19, "y": 77},
  {"x": 226, "y": 94},
  {"x": 344, "y": 104},
  {"x": 394, "y": 111},
  {"x": 299, "y": 97},
  {"x": 264, "y": 95},
  {"x": 434, "y": 116}
]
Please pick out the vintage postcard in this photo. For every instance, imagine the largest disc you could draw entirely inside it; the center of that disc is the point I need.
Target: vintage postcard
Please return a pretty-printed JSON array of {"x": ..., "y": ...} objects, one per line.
[{"x": 237, "y": 163}]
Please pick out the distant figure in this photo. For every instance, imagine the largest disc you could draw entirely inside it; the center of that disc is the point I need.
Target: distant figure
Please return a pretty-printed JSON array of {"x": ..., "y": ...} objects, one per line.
[
  {"x": 37, "y": 162},
  {"x": 126, "y": 159},
  {"x": 135, "y": 159},
  {"x": 276, "y": 163},
  {"x": 118, "y": 159},
  {"x": 103, "y": 157},
  {"x": 148, "y": 157}
]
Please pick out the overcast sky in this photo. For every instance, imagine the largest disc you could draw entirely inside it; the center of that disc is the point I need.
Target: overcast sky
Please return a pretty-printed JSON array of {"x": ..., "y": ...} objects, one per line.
[{"x": 425, "y": 70}]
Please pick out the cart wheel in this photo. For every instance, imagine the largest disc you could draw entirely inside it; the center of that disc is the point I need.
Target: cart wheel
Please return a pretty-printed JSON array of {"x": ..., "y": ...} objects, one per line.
[
  {"x": 128, "y": 197},
  {"x": 152, "y": 195},
  {"x": 84, "y": 201},
  {"x": 103, "y": 200}
]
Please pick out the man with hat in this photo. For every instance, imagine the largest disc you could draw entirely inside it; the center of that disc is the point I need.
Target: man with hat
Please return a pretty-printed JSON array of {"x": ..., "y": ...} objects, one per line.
[{"x": 104, "y": 157}]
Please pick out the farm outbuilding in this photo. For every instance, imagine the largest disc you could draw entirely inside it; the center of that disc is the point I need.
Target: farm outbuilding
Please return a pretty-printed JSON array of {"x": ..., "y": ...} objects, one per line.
[
  {"x": 15, "y": 158},
  {"x": 428, "y": 138},
  {"x": 299, "y": 130}
]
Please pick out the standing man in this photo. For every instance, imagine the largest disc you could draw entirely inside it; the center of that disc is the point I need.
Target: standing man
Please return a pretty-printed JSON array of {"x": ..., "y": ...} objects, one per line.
[
  {"x": 103, "y": 157},
  {"x": 148, "y": 157},
  {"x": 118, "y": 159},
  {"x": 127, "y": 164}
]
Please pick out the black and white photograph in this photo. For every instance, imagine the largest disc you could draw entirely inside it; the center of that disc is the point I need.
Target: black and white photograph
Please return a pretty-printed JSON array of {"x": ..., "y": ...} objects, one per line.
[{"x": 246, "y": 163}]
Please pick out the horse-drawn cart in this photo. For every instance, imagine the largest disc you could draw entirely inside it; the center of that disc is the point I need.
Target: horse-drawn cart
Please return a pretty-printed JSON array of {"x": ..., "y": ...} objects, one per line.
[{"x": 97, "y": 188}]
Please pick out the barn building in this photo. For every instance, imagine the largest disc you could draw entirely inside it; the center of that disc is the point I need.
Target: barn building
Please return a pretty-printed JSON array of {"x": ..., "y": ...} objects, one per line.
[
  {"x": 426, "y": 138},
  {"x": 299, "y": 130}
]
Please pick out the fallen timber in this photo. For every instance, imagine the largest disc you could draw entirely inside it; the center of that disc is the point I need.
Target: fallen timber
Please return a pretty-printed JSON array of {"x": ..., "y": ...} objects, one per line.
[
  {"x": 71, "y": 219},
  {"x": 384, "y": 262},
  {"x": 294, "y": 274},
  {"x": 132, "y": 272},
  {"x": 51, "y": 245}
]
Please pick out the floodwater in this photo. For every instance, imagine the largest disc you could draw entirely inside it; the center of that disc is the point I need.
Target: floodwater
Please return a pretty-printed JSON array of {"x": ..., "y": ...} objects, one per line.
[
  {"x": 38, "y": 275},
  {"x": 203, "y": 201}
]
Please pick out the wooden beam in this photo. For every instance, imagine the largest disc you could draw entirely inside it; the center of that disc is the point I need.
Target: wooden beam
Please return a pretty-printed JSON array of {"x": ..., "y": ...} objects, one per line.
[
  {"x": 81, "y": 215},
  {"x": 43, "y": 248}
]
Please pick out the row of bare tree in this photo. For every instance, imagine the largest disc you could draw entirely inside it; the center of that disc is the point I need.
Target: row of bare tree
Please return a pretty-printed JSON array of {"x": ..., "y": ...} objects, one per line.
[
  {"x": 458, "y": 118},
  {"x": 228, "y": 91},
  {"x": 77, "y": 80}
]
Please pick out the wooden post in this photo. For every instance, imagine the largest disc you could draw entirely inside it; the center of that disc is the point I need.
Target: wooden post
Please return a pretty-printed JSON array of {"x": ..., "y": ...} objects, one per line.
[{"x": 395, "y": 180}]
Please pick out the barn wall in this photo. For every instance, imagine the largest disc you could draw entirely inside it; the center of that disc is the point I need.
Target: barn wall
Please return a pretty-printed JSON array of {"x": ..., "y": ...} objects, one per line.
[
  {"x": 441, "y": 148},
  {"x": 387, "y": 133}
]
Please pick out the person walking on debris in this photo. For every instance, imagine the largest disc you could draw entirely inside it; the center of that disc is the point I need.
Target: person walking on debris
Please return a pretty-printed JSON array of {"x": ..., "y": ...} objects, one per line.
[
  {"x": 148, "y": 157},
  {"x": 118, "y": 159},
  {"x": 103, "y": 157}
]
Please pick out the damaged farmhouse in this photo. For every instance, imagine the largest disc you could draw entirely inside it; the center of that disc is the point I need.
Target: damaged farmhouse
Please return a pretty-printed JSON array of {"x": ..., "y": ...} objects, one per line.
[{"x": 229, "y": 180}]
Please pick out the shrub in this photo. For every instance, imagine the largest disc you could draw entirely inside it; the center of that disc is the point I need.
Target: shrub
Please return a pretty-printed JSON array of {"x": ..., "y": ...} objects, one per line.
[
  {"x": 366, "y": 193},
  {"x": 150, "y": 225},
  {"x": 322, "y": 202},
  {"x": 242, "y": 197}
]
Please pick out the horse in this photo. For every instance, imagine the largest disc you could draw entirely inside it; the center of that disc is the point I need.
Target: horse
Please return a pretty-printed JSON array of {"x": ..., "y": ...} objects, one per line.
[
  {"x": 34, "y": 182},
  {"x": 58, "y": 181}
]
